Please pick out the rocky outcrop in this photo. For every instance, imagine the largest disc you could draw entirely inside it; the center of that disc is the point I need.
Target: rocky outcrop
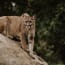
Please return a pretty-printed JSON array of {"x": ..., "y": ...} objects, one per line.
[{"x": 12, "y": 54}]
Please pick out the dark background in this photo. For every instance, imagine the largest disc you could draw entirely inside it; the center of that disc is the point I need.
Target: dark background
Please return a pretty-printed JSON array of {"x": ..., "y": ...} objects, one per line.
[{"x": 50, "y": 25}]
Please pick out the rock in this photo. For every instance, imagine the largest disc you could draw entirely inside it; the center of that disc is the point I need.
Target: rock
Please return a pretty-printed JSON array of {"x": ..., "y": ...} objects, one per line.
[{"x": 12, "y": 54}]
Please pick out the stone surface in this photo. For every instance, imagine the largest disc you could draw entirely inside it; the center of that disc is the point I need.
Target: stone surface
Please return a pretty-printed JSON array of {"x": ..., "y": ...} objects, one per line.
[{"x": 12, "y": 54}]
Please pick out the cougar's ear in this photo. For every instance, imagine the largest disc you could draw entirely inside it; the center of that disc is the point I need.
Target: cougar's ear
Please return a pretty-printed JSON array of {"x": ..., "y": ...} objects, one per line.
[
  {"x": 22, "y": 15},
  {"x": 25, "y": 15},
  {"x": 34, "y": 17}
]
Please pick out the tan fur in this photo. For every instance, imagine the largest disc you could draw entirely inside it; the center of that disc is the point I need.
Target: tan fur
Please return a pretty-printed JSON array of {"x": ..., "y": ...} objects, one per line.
[
  {"x": 28, "y": 32},
  {"x": 3, "y": 22},
  {"x": 17, "y": 26},
  {"x": 13, "y": 25}
]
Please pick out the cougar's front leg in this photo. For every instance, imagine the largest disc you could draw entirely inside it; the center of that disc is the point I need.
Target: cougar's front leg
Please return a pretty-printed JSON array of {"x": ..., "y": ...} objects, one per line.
[
  {"x": 31, "y": 43},
  {"x": 23, "y": 41}
]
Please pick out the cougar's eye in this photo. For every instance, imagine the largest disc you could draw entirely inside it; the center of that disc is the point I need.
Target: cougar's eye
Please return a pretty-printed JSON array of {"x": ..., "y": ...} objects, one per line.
[
  {"x": 30, "y": 23},
  {"x": 26, "y": 21}
]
